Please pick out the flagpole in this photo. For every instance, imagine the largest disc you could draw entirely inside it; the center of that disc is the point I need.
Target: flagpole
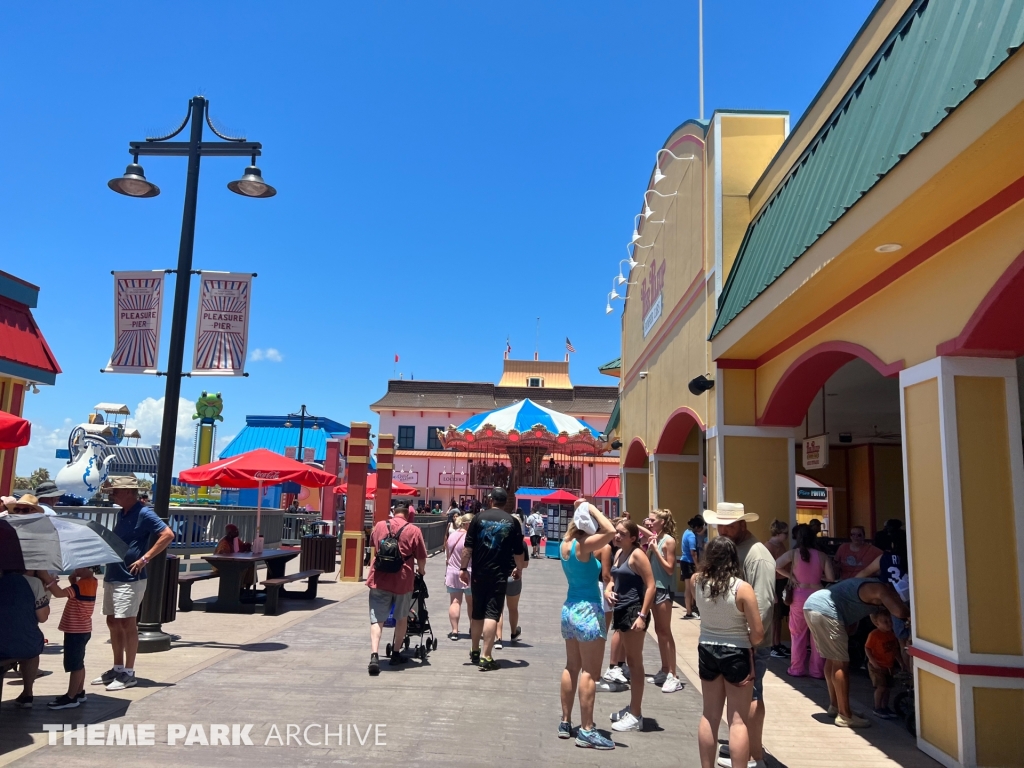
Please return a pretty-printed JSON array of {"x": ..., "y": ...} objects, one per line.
[{"x": 700, "y": 53}]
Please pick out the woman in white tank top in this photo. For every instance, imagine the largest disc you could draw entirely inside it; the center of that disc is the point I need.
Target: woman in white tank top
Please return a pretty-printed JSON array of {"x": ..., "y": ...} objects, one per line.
[{"x": 730, "y": 626}]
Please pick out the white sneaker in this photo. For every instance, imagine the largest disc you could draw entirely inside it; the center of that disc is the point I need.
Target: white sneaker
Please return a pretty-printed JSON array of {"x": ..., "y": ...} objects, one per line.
[
  {"x": 624, "y": 668},
  {"x": 658, "y": 679},
  {"x": 614, "y": 675},
  {"x": 724, "y": 761},
  {"x": 605, "y": 687},
  {"x": 672, "y": 684},
  {"x": 616, "y": 716},
  {"x": 122, "y": 681},
  {"x": 628, "y": 722}
]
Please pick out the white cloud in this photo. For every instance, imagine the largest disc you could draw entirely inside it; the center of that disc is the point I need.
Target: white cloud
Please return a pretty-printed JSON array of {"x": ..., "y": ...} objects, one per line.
[
  {"x": 270, "y": 354},
  {"x": 41, "y": 450},
  {"x": 148, "y": 418}
]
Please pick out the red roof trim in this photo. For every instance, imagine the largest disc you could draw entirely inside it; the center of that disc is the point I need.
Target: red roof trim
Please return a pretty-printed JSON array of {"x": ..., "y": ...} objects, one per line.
[{"x": 21, "y": 341}]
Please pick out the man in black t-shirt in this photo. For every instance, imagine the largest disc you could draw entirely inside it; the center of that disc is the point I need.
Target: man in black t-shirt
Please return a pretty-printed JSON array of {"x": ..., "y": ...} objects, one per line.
[{"x": 494, "y": 545}]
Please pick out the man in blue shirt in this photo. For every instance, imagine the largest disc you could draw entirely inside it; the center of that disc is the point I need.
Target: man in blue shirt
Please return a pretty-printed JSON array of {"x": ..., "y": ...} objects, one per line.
[{"x": 124, "y": 584}]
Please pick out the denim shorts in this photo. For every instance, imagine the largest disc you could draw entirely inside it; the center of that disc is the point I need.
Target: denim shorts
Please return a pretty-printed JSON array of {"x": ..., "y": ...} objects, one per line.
[{"x": 583, "y": 621}]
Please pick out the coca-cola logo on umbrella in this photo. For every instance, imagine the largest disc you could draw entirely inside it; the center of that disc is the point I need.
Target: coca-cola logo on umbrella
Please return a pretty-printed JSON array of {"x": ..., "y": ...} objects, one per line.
[{"x": 267, "y": 475}]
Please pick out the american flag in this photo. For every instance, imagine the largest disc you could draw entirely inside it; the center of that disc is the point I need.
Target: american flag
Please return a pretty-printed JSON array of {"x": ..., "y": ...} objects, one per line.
[
  {"x": 568, "y": 346},
  {"x": 508, "y": 347}
]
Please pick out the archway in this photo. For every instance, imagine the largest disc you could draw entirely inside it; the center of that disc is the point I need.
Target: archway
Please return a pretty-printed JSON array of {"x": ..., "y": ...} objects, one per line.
[
  {"x": 636, "y": 482},
  {"x": 994, "y": 329},
  {"x": 798, "y": 386},
  {"x": 679, "y": 469}
]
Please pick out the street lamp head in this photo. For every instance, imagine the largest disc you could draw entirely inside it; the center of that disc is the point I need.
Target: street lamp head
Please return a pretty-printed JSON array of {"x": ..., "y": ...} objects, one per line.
[
  {"x": 252, "y": 184},
  {"x": 133, "y": 183}
]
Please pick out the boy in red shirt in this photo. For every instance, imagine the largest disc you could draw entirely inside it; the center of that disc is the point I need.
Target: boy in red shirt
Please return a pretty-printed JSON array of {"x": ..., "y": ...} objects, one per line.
[
  {"x": 76, "y": 623},
  {"x": 883, "y": 652}
]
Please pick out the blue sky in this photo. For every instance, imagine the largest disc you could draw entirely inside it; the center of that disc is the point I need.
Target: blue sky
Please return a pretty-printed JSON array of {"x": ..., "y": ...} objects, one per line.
[{"x": 446, "y": 173}]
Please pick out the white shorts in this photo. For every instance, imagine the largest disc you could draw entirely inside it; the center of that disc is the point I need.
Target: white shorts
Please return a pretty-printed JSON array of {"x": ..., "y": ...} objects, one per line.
[{"x": 122, "y": 599}]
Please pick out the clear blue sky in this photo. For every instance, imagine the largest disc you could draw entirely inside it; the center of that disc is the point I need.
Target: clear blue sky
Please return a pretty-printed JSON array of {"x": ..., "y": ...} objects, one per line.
[{"x": 446, "y": 173}]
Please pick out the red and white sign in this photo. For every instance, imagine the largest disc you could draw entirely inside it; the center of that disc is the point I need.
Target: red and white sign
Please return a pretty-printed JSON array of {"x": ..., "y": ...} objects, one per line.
[
  {"x": 816, "y": 452},
  {"x": 222, "y": 325}
]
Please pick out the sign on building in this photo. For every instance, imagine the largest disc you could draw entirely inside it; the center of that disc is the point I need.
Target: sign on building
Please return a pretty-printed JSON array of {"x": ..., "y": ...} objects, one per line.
[
  {"x": 409, "y": 478},
  {"x": 816, "y": 452}
]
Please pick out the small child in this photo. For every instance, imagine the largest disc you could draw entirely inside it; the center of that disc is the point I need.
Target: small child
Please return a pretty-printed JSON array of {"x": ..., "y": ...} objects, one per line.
[
  {"x": 883, "y": 652},
  {"x": 76, "y": 623}
]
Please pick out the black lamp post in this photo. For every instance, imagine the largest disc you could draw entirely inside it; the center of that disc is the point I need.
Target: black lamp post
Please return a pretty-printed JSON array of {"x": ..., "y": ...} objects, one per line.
[
  {"x": 302, "y": 415},
  {"x": 134, "y": 184}
]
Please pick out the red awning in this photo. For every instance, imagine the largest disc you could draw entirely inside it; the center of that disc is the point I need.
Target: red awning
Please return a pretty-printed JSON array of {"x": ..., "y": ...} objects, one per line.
[
  {"x": 397, "y": 488},
  {"x": 14, "y": 432},
  {"x": 21, "y": 342},
  {"x": 610, "y": 488},
  {"x": 256, "y": 469},
  {"x": 560, "y": 497}
]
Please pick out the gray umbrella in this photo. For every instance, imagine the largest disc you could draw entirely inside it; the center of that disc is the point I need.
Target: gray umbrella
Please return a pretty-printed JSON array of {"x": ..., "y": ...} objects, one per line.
[
  {"x": 40, "y": 543},
  {"x": 85, "y": 543}
]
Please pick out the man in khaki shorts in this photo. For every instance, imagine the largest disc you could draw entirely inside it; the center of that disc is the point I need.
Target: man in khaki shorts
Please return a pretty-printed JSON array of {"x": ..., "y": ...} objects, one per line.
[
  {"x": 828, "y": 612},
  {"x": 124, "y": 583}
]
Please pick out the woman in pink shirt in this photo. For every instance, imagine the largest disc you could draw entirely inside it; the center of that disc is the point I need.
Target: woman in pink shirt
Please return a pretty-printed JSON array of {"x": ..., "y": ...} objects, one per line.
[
  {"x": 456, "y": 589},
  {"x": 805, "y": 567},
  {"x": 856, "y": 555}
]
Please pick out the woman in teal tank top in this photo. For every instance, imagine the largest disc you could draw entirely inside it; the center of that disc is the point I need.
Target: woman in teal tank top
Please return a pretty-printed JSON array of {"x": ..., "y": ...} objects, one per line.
[{"x": 583, "y": 626}]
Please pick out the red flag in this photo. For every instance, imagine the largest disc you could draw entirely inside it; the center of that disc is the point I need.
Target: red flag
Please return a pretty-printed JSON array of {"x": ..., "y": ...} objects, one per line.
[{"x": 396, "y": 358}]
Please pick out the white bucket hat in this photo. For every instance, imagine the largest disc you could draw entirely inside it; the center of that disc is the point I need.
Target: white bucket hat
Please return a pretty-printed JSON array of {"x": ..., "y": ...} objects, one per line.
[{"x": 727, "y": 513}]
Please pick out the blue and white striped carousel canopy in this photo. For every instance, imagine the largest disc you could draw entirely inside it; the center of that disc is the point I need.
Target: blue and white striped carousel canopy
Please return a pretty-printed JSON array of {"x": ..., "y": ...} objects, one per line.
[{"x": 524, "y": 416}]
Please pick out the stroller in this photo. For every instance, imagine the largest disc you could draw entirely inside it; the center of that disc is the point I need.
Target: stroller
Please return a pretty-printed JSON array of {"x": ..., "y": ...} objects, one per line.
[{"x": 419, "y": 622}]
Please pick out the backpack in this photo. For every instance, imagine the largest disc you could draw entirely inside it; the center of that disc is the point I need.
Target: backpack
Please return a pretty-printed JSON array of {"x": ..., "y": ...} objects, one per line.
[{"x": 389, "y": 555}]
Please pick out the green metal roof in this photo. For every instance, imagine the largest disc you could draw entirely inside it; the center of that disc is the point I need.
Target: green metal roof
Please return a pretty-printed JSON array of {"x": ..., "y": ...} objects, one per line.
[
  {"x": 614, "y": 365},
  {"x": 613, "y": 420},
  {"x": 937, "y": 55}
]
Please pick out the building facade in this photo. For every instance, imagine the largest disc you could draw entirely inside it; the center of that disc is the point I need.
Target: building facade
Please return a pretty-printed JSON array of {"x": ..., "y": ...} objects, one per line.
[
  {"x": 25, "y": 359},
  {"x": 413, "y": 411},
  {"x": 854, "y": 287}
]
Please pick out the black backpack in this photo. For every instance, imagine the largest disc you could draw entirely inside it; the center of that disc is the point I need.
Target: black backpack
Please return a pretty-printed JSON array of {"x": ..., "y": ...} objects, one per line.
[{"x": 389, "y": 555}]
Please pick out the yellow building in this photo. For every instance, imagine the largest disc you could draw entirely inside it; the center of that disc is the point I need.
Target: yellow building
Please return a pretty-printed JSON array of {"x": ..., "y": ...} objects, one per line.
[{"x": 859, "y": 279}]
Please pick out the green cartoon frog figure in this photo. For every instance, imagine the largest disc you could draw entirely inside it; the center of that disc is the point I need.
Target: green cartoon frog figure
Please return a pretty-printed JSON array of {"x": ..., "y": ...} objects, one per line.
[{"x": 208, "y": 407}]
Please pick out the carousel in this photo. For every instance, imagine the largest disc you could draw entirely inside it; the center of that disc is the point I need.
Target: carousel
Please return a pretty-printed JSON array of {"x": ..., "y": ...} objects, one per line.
[{"x": 543, "y": 448}]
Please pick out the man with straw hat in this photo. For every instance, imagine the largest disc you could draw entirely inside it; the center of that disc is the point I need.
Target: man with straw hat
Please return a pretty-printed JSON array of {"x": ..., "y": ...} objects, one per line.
[
  {"x": 731, "y": 520},
  {"x": 124, "y": 583}
]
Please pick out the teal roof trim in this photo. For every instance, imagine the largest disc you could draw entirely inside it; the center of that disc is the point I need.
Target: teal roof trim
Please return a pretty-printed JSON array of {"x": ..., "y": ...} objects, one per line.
[{"x": 938, "y": 54}]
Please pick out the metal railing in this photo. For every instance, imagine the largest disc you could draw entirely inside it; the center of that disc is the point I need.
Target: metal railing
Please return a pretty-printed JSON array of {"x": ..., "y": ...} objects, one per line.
[
  {"x": 198, "y": 529},
  {"x": 433, "y": 534}
]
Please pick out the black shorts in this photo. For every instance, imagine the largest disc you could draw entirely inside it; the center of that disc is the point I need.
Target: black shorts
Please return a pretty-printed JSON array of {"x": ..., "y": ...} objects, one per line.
[
  {"x": 623, "y": 618},
  {"x": 685, "y": 570},
  {"x": 488, "y": 599},
  {"x": 74, "y": 650},
  {"x": 535, "y": 539},
  {"x": 735, "y": 664}
]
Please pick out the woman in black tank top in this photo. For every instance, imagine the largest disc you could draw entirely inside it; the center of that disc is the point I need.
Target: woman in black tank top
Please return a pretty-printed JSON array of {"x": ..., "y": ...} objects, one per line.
[{"x": 632, "y": 594}]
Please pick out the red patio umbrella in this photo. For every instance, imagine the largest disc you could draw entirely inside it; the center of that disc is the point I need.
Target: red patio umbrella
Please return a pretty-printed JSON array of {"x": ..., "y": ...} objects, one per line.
[
  {"x": 560, "y": 497},
  {"x": 397, "y": 488},
  {"x": 256, "y": 469},
  {"x": 14, "y": 431}
]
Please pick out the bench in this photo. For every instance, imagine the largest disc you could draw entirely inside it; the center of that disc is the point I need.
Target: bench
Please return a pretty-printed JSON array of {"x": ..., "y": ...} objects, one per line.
[
  {"x": 274, "y": 588},
  {"x": 185, "y": 582}
]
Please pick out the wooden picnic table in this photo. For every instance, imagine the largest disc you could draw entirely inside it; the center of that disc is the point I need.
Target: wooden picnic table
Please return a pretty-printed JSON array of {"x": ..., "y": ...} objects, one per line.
[{"x": 231, "y": 569}]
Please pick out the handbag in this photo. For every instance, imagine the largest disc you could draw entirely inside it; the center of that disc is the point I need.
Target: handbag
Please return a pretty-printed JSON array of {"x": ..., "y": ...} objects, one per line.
[{"x": 787, "y": 592}]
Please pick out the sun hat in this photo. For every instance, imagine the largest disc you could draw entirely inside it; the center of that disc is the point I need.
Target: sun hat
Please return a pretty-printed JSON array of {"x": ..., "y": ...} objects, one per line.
[
  {"x": 727, "y": 513},
  {"x": 47, "y": 490},
  {"x": 27, "y": 500},
  {"x": 120, "y": 483}
]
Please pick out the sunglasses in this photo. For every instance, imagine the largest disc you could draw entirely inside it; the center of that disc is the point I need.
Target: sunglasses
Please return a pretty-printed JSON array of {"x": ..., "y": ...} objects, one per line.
[{"x": 22, "y": 510}]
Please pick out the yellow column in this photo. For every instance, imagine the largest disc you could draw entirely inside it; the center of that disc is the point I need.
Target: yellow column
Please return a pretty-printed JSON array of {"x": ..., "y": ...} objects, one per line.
[
  {"x": 678, "y": 485},
  {"x": 964, "y": 486},
  {"x": 636, "y": 492},
  {"x": 751, "y": 465}
]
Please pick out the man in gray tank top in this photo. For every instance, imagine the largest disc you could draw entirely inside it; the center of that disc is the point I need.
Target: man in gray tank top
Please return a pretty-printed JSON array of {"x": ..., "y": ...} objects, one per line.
[{"x": 828, "y": 612}]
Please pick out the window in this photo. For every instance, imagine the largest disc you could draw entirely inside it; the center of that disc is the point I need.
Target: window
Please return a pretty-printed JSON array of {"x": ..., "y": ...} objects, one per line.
[
  {"x": 535, "y": 381},
  {"x": 433, "y": 443},
  {"x": 406, "y": 437}
]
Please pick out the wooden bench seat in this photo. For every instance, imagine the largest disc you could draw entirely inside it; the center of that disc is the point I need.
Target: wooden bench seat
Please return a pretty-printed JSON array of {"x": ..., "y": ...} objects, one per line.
[
  {"x": 185, "y": 582},
  {"x": 274, "y": 588}
]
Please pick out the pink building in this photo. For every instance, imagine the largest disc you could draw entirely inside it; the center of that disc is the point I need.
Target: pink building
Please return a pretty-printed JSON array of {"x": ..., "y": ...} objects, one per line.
[{"x": 413, "y": 411}]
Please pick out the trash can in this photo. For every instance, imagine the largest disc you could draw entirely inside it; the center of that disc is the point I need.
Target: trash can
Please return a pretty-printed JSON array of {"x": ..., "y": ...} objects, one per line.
[
  {"x": 170, "y": 612},
  {"x": 319, "y": 551}
]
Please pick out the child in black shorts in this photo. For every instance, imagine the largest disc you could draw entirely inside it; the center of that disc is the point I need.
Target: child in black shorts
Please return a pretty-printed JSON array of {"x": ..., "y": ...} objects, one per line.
[{"x": 76, "y": 623}]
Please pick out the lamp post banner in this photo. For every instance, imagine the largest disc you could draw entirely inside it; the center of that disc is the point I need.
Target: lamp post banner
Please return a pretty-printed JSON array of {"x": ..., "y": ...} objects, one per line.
[
  {"x": 222, "y": 327},
  {"x": 138, "y": 304}
]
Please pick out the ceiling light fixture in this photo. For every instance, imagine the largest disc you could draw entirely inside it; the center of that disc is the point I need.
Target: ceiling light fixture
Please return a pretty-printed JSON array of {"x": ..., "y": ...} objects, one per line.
[{"x": 888, "y": 247}]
